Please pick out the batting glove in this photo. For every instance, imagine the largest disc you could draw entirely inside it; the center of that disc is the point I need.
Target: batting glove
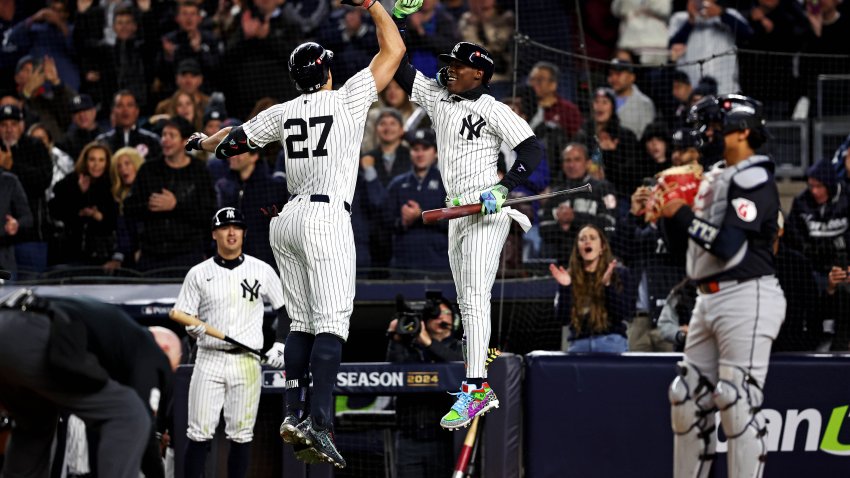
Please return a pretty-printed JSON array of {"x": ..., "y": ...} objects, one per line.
[
  {"x": 492, "y": 199},
  {"x": 274, "y": 357},
  {"x": 270, "y": 211},
  {"x": 359, "y": 3},
  {"x": 194, "y": 142},
  {"x": 404, "y": 8},
  {"x": 195, "y": 331}
]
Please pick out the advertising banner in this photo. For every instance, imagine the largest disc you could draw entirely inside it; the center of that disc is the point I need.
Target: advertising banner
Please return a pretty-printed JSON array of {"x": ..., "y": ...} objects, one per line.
[{"x": 609, "y": 416}]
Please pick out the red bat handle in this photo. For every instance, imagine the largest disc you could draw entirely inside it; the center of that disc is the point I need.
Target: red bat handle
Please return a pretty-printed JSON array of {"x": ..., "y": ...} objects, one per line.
[{"x": 434, "y": 215}]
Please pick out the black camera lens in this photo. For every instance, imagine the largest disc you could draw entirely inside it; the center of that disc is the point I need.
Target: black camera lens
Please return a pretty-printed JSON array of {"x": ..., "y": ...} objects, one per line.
[{"x": 409, "y": 324}]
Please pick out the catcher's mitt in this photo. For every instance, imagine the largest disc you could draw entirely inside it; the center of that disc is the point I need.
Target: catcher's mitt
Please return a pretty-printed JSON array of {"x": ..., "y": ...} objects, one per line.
[{"x": 678, "y": 182}]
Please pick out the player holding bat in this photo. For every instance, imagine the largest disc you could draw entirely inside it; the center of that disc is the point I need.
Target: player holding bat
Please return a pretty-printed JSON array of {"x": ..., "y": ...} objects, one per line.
[
  {"x": 227, "y": 292},
  {"x": 471, "y": 126}
]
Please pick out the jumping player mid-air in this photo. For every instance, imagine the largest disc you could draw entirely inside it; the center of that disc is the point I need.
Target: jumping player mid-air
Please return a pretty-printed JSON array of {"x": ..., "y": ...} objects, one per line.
[
  {"x": 471, "y": 126},
  {"x": 740, "y": 307},
  {"x": 227, "y": 292},
  {"x": 312, "y": 239}
]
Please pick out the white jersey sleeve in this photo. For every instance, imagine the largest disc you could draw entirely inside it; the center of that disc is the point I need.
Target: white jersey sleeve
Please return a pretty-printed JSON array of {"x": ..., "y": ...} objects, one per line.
[
  {"x": 426, "y": 92},
  {"x": 509, "y": 126},
  {"x": 189, "y": 298},
  {"x": 265, "y": 127},
  {"x": 358, "y": 94},
  {"x": 273, "y": 294}
]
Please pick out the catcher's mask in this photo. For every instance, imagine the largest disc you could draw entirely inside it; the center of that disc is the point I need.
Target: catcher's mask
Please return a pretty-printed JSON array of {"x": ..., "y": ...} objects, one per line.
[
  {"x": 309, "y": 65},
  {"x": 703, "y": 116}
]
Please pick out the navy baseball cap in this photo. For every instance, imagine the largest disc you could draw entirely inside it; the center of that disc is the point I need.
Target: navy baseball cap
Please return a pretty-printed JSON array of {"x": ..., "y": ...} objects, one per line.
[
  {"x": 81, "y": 102},
  {"x": 24, "y": 60},
  {"x": 424, "y": 136},
  {"x": 11, "y": 112},
  {"x": 473, "y": 55},
  {"x": 621, "y": 65},
  {"x": 189, "y": 65},
  {"x": 214, "y": 114},
  {"x": 227, "y": 216}
]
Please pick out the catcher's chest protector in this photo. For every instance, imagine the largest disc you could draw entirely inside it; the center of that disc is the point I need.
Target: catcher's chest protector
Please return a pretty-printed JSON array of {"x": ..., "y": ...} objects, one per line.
[{"x": 710, "y": 205}]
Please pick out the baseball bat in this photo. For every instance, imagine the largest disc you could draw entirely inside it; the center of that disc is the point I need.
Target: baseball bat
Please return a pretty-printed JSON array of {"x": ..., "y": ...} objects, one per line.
[
  {"x": 466, "y": 450},
  {"x": 474, "y": 456},
  {"x": 433, "y": 215},
  {"x": 189, "y": 320},
  {"x": 471, "y": 438}
]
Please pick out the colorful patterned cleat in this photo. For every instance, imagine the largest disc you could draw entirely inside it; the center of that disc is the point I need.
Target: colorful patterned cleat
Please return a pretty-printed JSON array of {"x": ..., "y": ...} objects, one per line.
[{"x": 470, "y": 403}]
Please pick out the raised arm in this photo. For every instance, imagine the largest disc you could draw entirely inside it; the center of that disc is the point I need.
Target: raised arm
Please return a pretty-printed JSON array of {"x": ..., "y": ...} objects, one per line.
[{"x": 391, "y": 46}]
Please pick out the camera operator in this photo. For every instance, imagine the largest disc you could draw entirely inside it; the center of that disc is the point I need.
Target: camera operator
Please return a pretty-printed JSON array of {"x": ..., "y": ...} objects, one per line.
[{"x": 423, "y": 336}]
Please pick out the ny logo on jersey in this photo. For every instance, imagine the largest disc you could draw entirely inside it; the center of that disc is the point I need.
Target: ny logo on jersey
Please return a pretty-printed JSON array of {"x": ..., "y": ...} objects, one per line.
[
  {"x": 470, "y": 129},
  {"x": 250, "y": 292}
]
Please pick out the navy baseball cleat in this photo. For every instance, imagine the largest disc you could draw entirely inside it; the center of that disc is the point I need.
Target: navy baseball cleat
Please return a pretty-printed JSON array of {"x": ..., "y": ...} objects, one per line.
[{"x": 321, "y": 441}]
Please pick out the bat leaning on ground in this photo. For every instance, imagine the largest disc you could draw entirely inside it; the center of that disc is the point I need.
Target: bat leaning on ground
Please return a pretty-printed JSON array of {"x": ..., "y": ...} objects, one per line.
[
  {"x": 467, "y": 450},
  {"x": 189, "y": 320},
  {"x": 433, "y": 215}
]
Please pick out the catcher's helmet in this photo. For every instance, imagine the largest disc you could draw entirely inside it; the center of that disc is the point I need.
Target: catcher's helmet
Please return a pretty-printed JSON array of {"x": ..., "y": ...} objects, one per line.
[
  {"x": 740, "y": 113},
  {"x": 309, "y": 64},
  {"x": 473, "y": 55},
  {"x": 227, "y": 216}
]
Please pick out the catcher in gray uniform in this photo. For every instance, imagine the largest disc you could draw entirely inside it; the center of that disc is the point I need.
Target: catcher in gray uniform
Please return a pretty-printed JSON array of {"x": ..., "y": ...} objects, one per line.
[{"x": 740, "y": 306}]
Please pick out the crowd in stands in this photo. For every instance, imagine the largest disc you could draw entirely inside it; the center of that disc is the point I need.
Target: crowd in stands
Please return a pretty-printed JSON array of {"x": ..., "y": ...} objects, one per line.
[{"x": 98, "y": 97}]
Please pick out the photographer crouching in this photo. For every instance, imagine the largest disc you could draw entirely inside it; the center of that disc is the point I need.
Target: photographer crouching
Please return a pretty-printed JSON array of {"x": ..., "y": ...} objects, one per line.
[{"x": 423, "y": 336}]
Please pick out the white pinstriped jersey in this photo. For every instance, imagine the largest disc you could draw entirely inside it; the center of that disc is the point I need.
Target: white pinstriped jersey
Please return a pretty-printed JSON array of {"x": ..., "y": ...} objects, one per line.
[
  {"x": 469, "y": 135},
  {"x": 321, "y": 134},
  {"x": 230, "y": 300}
]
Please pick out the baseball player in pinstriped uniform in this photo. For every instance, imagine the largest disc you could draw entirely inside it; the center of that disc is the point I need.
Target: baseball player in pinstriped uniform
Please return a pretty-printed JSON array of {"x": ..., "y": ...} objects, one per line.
[
  {"x": 471, "y": 126},
  {"x": 740, "y": 306},
  {"x": 227, "y": 292},
  {"x": 312, "y": 238}
]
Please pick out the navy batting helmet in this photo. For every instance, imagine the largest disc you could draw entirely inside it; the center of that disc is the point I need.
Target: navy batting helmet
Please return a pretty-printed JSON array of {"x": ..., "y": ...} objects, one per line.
[
  {"x": 227, "y": 216},
  {"x": 473, "y": 55},
  {"x": 309, "y": 64}
]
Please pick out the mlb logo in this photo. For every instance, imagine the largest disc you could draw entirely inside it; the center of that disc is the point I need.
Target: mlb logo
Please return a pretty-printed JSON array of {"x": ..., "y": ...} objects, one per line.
[{"x": 274, "y": 379}]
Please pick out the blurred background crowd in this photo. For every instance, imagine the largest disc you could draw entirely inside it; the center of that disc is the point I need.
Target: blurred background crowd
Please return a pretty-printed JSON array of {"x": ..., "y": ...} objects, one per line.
[{"x": 97, "y": 98}]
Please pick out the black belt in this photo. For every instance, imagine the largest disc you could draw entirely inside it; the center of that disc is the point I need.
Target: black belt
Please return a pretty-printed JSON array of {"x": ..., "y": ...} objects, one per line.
[
  {"x": 235, "y": 351},
  {"x": 324, "y": 198}
]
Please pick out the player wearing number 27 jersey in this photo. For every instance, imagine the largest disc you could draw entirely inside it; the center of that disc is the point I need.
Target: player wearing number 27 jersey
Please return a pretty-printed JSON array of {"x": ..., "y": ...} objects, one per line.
[{"x": 312, "y": 239}]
